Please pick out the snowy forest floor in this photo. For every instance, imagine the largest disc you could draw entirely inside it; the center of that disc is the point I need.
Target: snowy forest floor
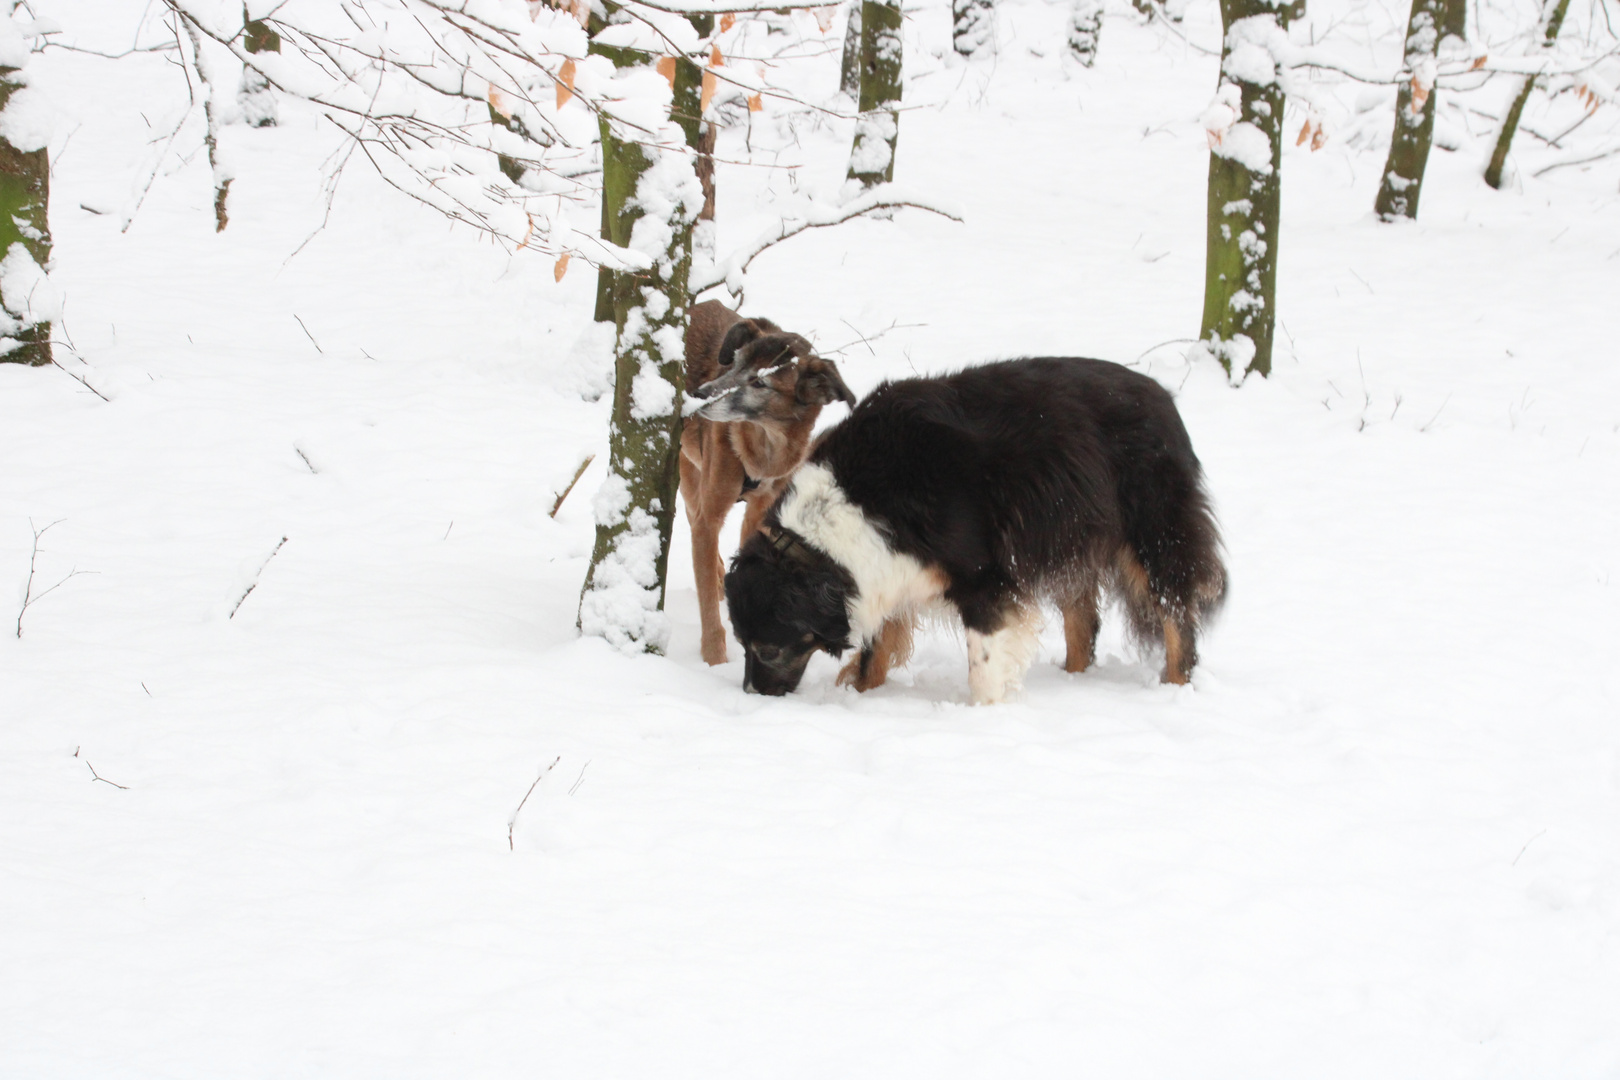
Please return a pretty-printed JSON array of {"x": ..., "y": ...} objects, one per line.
[{"x": 1378, "y": 836}]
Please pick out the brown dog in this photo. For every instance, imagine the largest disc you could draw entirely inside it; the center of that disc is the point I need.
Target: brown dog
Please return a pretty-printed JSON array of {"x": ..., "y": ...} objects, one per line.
[{"x": 765, "y": 388}]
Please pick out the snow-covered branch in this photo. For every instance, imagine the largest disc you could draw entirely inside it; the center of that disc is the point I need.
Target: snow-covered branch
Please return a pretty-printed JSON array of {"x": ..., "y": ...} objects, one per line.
[{"x": 729, "y": 270}]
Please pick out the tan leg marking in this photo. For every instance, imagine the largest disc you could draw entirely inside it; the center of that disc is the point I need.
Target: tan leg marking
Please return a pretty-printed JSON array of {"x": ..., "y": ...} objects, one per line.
[{"x": 869, "y": 667}]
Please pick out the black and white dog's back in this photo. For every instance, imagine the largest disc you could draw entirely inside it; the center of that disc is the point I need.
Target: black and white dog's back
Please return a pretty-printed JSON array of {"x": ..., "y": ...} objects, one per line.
[{"x": 992, "y": 490}]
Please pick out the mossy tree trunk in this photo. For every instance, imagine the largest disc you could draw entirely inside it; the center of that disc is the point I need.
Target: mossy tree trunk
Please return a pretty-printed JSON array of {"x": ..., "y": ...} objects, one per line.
[
  {"x": 877, "y": 131},
  {"x": 1414, "y": 114},
  {"x": 25, "y": 188},
  {"x": 1552, "y": 21},
  {"x": 1245, "y": 191},
  {"x": 1454, "y": 19},
  {"x": 651, "y": 197}
]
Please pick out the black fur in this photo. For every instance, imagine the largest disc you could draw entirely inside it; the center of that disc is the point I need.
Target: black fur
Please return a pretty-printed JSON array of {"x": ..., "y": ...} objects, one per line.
[
  {"x": 802, "y": 609},
  {"x": 1022, "y": 480}
]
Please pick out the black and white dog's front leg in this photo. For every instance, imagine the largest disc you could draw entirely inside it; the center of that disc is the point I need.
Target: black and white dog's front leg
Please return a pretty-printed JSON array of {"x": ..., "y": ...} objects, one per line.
[{"x": 1001, "y": 652}]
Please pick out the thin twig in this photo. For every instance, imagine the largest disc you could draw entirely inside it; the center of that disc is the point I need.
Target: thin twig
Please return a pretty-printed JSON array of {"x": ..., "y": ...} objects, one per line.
[
  {"x": 580, "y": 779},
  {"x": 29, "y": 599},
  {"x": 579, "y": 472},
  {"x": 73, "y": 374},
  {"x": 305, "y": 456},
  {"x": 94, "y": 776},
  {"x": 1436, "y": 415},
  {"x": 510, "y": 825},
  {"x": 255, "y": 583},
  {"x": 309, "y": 335},
  {"x": 1526, "y": 847}
]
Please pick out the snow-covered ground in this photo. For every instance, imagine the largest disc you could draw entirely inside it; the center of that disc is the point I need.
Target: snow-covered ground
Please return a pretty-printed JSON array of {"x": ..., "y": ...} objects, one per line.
[{"x": 1378, "y": 836}]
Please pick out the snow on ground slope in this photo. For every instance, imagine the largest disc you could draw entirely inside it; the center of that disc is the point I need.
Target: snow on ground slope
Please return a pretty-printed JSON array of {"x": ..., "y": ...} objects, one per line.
[{"x": 1376, "y": 836}]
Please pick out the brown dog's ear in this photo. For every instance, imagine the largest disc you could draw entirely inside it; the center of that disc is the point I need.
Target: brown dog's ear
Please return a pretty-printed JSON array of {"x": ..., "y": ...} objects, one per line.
[
  {"x": 823, "y": 386},
  {"x": 739, "y": 335}
]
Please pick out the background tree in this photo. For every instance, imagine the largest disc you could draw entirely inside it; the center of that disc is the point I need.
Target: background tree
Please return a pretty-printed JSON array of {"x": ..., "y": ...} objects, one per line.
[
  {"x": 1414, "y": 111},
  {"x": 877, "y": 130},
  {"x": 28, "y": 300},
  {"x": 1552, "y": 20},
  {"x": 255, "y": 99},
  {"x": 849, "y": 70},
  {"x": 973, "y": 25},
  {"x": 1085, "y": 31},
  {"x": 1245, "y": 186}
]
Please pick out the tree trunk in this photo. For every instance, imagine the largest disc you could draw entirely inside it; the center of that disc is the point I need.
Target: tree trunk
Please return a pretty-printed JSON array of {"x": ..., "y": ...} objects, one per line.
[
  {"x": 1552, "y": 20},
  {"x": 974, "y": 23},
  {"x": 1085, "y": 29},
  {"x": 849, "y": 71},
  {"x": 871, "y": 161},
  {"x": 254, "y": 97},
  {"x": 1414, "y": 114},
  {"x": 651, "y": 196},
  {"x": 1245, "y": 190},
  {"x": 25, "y": 243},
  {"x": 1454, "y": 19}
]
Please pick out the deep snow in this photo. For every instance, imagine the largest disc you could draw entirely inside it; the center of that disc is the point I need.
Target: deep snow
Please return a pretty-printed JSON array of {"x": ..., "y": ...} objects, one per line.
[{"x": 1377, "y": 836}]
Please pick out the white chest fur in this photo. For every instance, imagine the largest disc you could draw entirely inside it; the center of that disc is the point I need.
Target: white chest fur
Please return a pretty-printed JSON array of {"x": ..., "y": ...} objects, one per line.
[{"x": 887, "y": 582}]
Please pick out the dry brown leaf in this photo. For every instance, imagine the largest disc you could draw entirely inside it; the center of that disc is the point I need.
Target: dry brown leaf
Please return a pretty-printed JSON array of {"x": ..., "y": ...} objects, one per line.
[
  {"x": 1319, "y": 139},
  {"x": 727, "y": 21},
  {"x": 709, "y": 85},
  {"x": 755, "y": 104},
  {"x": 666, "y": 68},
  {"x": 1479, "y": 63},
  {"x": 1304, "y": 133},
  {"x": 565, "y": 82},
  {"x": 561, "y": 268},
  {"x": 824, "y": 17},
  {"x": 715, "y": 59}
]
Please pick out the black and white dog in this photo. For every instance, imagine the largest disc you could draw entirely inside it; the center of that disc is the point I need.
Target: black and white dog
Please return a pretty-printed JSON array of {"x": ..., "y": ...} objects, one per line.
[{"x": 987, "y": 491}]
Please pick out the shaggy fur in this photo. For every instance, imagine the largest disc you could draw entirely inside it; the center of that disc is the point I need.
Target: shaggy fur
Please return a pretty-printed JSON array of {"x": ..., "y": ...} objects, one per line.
[
  {"x": 766, "y": 388},
  {"x": 991, "y": 490}
]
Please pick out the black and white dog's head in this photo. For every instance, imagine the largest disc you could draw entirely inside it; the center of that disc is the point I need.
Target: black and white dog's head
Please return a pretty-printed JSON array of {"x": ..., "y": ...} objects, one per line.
[
  {"x": 769, "y": 376},
  {"x": 786, "y": 601}
]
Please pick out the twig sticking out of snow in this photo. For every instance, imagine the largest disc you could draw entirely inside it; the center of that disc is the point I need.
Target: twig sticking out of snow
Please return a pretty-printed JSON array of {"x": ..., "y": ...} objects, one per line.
[
  {"x": 94, "y": 776},
  {"x": 510, "y": 825},
  {"x": 579, "y": 472},
  {"x": 255, "y": 583},
  {"x": 309, "y": 335},
  {"x": 29, "y": 599}
]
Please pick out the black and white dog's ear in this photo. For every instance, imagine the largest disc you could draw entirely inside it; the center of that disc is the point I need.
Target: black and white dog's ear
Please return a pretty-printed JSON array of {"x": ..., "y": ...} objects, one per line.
[
  {"x": 823, "y": 386},
  {"x": 739, "y": 335}
]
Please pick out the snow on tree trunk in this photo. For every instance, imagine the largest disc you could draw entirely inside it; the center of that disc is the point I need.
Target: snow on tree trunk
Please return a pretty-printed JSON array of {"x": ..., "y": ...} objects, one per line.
[
  {"x": 1552, "y": 20},
  {"x": 30, "y": 302},
  {"x": 1244, "y": 125},
  {"x": 1414, "y": 114},
  {"x": 1085, "y": 29},
  {"x": 651, "y": 198},
  {"x": 211, "y": 116},
  {"x": 849, "y": 72},
  {"x": 974, "y": 22},
  {"x": 871, "y": 160},
  {"x": 254, "y": 98}
]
